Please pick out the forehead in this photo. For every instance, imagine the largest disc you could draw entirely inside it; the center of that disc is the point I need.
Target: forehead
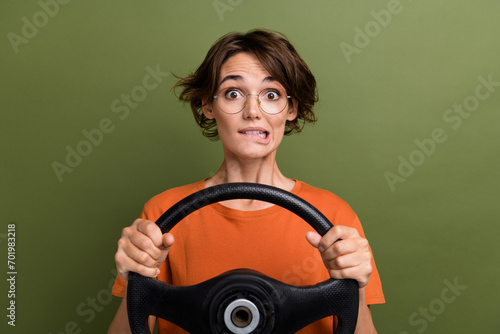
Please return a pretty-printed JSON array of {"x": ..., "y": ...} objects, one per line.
[{"x": 243, "y": 66}]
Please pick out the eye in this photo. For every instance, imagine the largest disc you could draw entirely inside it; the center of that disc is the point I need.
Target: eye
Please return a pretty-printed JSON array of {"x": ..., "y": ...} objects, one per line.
[
  {"x": 272, "y": 95},
  {"x": 233, "y": 94}
]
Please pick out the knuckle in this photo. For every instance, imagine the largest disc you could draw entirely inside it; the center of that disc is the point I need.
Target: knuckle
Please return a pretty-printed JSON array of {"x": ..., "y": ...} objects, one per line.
[
  {"x": 338, "y": 247},
  {"x": 146, "y": 226},
  {"x": 144, "y": 243},
  {"x": 126, "y": 232},
  {"x": 143, "y": 258},
  {"x": 153, "y": 232},
  {"x": 145, "y": 271},
  {"x": 337, "y": 229},
  {"x": 123, "y": 273},
  {"x": 369, "y": 269},
  {"x": 118, "y": 258},
  {"x": 338, "y": 262},
  {"x": 338, "y": 274},
  {"x": 343, "y": 273},
  {"x": 150, "y": 227},
  {"x": 157, "y": 253},
  {"x": 363, "y": 281},
  {"x": 121, "y": 243}
]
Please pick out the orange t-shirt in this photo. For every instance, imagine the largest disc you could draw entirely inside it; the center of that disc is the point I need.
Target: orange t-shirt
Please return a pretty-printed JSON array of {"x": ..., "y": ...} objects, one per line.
[{"x": 215, "y": 239}]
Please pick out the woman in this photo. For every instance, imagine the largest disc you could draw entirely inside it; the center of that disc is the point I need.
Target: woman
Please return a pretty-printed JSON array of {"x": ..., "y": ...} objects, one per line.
[{"x": 250, "y": 90}]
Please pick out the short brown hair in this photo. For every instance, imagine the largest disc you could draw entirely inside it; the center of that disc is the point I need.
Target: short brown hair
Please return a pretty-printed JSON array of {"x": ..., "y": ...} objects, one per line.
[{"x": 278, "y": 57}]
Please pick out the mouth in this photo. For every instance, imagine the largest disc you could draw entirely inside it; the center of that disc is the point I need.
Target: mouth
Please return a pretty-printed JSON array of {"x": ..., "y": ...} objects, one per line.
[{"x": 259, "y": 133}]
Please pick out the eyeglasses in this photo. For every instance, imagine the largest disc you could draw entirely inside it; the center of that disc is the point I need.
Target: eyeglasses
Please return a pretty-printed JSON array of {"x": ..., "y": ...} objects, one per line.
[{"x": 232, "y": 100}]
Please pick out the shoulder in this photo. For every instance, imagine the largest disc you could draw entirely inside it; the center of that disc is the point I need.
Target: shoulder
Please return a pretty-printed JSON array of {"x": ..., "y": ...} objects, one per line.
[
  {"x": 160, "y": 203},
  {"x": 318, "y": 195},
  {"x": 332, "y": 206}
]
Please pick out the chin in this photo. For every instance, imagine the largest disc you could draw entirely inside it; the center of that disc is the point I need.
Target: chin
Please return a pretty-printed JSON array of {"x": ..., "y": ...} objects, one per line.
[{"x": 252, "y": 154}]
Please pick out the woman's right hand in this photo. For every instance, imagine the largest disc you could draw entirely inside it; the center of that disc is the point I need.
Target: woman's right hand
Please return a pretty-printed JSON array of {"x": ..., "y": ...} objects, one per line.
[{"x": 142, "y": 248}]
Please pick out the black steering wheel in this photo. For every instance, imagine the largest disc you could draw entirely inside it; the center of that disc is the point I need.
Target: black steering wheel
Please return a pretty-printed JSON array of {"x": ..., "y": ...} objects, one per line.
[{"x": 242, "y": 301}]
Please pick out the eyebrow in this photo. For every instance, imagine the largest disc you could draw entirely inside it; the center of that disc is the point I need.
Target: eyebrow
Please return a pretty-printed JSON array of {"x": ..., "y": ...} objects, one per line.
[{"x": 240, "y": 78}]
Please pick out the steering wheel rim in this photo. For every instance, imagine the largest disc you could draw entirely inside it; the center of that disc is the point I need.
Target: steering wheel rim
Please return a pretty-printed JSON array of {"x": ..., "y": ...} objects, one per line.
[{"x": 138, "y": 285}]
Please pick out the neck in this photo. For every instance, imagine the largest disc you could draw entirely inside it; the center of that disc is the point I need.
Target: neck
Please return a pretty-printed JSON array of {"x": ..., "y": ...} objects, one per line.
[{"x": 264, "y": 171}]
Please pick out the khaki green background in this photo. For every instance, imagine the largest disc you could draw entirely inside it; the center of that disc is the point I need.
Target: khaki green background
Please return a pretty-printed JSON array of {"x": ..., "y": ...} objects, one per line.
[{"x": 439, "y": 225}]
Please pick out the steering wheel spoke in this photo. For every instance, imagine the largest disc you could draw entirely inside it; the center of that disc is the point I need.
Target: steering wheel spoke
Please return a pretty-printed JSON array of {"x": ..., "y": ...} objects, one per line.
[
  {"x": 305, "y": 305},
  {"x": 142, "y": 300}
]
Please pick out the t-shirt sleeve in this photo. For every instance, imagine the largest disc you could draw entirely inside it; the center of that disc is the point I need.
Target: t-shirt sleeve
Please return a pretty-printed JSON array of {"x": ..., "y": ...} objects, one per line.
[{"x": 119, "y": 287}]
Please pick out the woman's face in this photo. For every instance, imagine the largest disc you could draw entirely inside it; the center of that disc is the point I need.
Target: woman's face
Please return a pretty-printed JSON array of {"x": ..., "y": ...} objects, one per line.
[{"x": 251, "y": 133}]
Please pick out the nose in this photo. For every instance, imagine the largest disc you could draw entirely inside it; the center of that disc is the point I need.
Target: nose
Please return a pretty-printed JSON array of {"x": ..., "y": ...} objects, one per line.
[{"x": 252, "y": 107}]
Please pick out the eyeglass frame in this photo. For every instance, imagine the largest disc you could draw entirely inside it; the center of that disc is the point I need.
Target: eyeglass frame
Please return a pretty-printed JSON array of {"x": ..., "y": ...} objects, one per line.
[{"x": 246, "y": 101}]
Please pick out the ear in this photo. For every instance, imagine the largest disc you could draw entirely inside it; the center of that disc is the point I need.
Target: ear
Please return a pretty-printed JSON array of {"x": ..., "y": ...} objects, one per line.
[
  {"x": 292, "y": 111},
  {"x": 207, "y": 108}
]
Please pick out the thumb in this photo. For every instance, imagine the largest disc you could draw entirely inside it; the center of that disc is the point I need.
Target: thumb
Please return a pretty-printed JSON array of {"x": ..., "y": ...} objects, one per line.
[
  {"x": 167, "y": 242},
  {"x": 313, "y": 238}
]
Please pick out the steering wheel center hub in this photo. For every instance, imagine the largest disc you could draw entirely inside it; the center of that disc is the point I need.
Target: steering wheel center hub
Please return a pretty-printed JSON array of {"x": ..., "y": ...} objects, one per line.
[
  {"x": 242, "y": 304},
  {"x": 241, "y": 316}
]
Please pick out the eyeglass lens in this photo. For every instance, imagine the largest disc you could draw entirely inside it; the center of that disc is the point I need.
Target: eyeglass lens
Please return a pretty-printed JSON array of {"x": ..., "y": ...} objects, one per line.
[{"x": 233, "y": 100}]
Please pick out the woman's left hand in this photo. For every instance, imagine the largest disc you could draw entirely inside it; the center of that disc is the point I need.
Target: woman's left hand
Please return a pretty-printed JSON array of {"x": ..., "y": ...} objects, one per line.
[{"x": 345, "y": 253}]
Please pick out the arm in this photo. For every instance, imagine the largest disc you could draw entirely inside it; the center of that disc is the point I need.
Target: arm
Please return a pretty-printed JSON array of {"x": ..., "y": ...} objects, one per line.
[
  {"x": 141, "y": 249},
  {"x": 365, "y": 322}
]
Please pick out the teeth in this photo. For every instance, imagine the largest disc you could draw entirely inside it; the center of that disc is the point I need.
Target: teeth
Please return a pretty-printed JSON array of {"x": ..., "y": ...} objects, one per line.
[{"x": 261, "y": 134}]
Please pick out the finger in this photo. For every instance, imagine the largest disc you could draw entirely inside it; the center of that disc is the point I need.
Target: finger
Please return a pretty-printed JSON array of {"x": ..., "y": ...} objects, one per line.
[
  {"x": 313, "y": 238},
  {"x": 138, "y": 255},
  {"x": 125, "y": 264},
  {"x": 345, "y": 246},
  {"x": 359, "y": 273},
  {"x": 335, "y": 233},
  {"x": 143, "y": 270},
  {"x": 350, "y": 260},
  {"x": 151, "y": 230},
  {"x": 143, "y": 242},
  {"x": 168, "y": 241}
]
